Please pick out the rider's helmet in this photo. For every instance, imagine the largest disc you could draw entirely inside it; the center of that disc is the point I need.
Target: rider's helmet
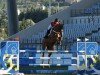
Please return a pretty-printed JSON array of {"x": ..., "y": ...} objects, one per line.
[{"x": 56, "y": 22}]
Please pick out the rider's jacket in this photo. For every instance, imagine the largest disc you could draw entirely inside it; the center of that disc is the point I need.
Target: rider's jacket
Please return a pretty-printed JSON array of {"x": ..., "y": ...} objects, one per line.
[{"x": 53, "y": 24}]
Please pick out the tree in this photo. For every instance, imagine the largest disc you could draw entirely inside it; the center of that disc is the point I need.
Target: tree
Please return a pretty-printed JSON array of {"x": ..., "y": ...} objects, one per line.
[
  {"x": 3, "y": 25},
  {"x": 25, "y": 24},
  {"x": 35, "y": 15}
]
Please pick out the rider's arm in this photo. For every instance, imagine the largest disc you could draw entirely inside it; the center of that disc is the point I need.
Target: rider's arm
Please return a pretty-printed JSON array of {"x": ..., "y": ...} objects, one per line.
[
  {"x": 49, "y": 27},
  {"x": 48, "y": 30}
]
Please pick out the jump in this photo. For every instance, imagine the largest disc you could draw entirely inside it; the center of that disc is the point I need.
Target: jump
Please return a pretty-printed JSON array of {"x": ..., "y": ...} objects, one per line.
[{"x": 53, "y": 36}]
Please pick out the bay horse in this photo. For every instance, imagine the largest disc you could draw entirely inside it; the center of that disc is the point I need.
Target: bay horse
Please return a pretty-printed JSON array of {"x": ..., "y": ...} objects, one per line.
[{"x": 53, "y": 38}]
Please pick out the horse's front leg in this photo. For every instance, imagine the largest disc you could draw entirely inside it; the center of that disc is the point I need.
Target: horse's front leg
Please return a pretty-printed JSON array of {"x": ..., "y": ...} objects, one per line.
[
  {"x": 43, "y": 48},
  {"x": 49, "y": 55}
]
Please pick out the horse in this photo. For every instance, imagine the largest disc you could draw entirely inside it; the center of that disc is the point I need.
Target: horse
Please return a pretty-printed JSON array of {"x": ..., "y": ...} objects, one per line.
[{"x": 53, "y": 38}]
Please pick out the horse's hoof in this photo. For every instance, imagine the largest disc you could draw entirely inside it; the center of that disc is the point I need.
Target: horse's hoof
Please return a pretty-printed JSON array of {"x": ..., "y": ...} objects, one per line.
[
  {"x": 43, "y": 66},
  {"x": 49, "y": 66}
]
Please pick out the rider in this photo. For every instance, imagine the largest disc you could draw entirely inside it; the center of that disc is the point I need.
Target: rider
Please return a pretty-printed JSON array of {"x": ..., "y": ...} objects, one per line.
[{"x": 56, "y": 22}]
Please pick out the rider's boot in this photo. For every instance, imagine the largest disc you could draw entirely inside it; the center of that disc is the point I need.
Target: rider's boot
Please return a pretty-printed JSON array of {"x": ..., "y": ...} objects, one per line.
[
  {"x": 47, "y": 33},
  {"x": 46, "y": 36}
]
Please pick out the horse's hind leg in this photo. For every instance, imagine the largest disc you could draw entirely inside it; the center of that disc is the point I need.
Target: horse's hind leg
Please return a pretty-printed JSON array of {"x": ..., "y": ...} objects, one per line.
[
  {"x": 50, "y": 53},
  {"x": 43, "y": 48},
  {"x": 42, "y": 56}
]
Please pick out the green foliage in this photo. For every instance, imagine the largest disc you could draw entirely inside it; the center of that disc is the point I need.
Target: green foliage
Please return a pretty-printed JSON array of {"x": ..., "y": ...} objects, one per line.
[
  {"x": 97, "y": 59},
  {"x": 3, "y": 25},
  {"x": 25, "y": 23},
  {"x": 35, "y": 15}
]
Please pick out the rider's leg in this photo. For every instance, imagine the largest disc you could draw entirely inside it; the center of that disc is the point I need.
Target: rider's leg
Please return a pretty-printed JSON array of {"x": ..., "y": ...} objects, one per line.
[{"x": 47, "y": 33}]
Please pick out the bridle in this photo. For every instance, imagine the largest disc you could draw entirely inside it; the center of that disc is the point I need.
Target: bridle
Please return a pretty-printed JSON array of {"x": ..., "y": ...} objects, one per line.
[{"x": 58, "y": 34}]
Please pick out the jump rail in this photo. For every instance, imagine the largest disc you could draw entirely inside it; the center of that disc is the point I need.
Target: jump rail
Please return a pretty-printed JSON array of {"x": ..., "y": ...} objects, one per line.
[
  {"x": 52, "y": 64},
  {"x": 48, "y": 57},
  {"x": 41, "y": 51}
]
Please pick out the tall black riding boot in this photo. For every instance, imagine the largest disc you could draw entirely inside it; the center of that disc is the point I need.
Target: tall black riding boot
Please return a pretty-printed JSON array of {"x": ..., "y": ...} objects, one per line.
[{"x": 47, "y": 33}]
